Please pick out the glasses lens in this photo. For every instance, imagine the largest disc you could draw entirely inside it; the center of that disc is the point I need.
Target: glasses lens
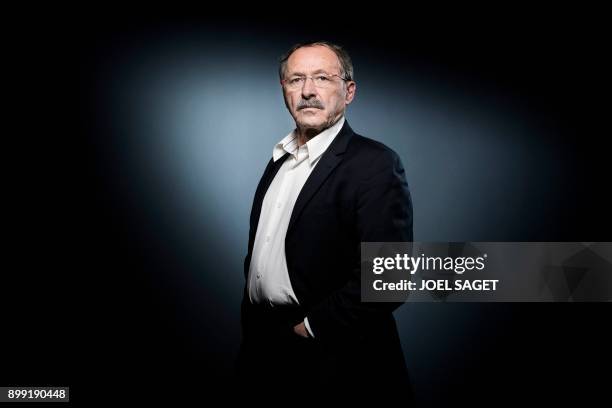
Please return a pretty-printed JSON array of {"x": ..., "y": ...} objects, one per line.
[
  {"x": 295, "y": 82},
  {"x": 319, "y": 80},
  {"x": 322, "y": 81}
]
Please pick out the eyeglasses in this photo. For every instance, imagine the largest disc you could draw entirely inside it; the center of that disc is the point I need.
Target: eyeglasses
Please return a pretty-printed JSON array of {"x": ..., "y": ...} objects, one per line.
[{"x": 319, "y": 80}]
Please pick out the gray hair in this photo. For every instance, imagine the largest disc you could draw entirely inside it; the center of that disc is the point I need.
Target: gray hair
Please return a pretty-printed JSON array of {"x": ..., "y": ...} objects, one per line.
[{"x": 346, "y": 65}]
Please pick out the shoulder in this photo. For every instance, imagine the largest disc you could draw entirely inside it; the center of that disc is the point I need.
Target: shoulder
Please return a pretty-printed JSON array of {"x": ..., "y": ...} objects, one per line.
[{"x": 372, "y": 152}]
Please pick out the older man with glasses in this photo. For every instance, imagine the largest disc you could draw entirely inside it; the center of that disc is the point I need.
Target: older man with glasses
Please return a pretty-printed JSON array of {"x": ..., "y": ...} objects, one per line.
[{"x": 325, "y": 190}]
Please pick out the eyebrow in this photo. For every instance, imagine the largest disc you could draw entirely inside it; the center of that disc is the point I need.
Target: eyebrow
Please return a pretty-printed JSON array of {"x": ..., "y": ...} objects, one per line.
[{"x": 318, "y": 71}]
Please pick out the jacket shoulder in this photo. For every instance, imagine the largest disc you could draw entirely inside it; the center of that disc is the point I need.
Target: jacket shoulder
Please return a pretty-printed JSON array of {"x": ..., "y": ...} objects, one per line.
[{"x": 370, "y": 149}]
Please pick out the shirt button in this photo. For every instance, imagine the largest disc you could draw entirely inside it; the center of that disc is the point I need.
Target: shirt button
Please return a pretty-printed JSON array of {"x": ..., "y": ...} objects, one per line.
[
  {"x": 258, "y": 276},
  {"x": 278, "y": 205},
  {"x": 268, "y": 238}
]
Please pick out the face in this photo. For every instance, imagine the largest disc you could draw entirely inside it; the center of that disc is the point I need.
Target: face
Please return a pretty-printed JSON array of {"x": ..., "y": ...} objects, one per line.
[{"x": 314, "y": 107}]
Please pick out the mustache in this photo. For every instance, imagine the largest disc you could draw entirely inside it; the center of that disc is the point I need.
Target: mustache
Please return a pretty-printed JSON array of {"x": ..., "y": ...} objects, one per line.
[{"x": 314, "y": 103}]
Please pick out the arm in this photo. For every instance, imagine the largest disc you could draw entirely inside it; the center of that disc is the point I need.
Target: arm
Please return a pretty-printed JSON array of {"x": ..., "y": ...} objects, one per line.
[{"x": 384, "y": 214}]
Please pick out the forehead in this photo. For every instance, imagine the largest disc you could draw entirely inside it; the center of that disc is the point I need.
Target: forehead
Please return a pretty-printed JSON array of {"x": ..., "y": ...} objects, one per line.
[{"x": 310, "y": 59}]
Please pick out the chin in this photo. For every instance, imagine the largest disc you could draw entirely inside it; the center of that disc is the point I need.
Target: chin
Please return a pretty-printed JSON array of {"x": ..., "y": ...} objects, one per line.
[{"x": 310, "y": 121}]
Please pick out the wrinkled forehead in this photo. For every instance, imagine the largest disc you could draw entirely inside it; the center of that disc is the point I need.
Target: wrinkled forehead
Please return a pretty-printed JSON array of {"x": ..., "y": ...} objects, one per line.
[{"x": 309, "y": 60}]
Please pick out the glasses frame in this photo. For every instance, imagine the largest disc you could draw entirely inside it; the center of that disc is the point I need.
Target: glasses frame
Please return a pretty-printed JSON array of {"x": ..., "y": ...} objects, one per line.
[{"x": 284, "y": 82}]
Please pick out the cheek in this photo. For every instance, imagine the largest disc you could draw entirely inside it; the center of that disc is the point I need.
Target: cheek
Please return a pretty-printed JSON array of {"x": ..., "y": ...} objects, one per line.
[
  {"x": 294, "y": 100},
  {"x": 335, "y": 102},
  {"x": 289, "y": 100}
]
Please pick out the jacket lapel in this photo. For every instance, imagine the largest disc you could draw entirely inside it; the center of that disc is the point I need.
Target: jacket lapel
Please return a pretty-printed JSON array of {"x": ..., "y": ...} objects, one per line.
[{"x": 327, "y": 163}]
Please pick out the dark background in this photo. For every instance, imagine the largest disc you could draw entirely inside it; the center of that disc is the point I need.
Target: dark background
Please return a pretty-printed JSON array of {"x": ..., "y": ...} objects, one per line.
[{"x": 136, "y": 144}]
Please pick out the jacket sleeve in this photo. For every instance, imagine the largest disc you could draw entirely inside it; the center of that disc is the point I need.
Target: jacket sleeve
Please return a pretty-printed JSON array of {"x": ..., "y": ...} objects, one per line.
[{"x": 383, "y": 214}]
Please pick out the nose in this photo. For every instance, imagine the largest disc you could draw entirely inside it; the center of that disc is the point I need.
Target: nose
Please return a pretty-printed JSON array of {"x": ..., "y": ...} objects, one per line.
[{"x": 308, "y": 89}]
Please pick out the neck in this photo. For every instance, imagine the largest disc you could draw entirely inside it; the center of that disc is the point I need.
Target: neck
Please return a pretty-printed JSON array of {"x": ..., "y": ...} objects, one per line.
[{"x": 305, "y": 134}]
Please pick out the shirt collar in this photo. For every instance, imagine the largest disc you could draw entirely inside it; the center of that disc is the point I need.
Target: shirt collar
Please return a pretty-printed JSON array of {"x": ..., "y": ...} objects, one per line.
[{"x": 316, "y": 146}]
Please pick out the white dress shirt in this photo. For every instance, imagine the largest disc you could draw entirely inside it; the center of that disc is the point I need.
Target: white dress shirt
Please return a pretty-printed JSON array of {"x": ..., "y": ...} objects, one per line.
[{"x": 268, "y": 280}]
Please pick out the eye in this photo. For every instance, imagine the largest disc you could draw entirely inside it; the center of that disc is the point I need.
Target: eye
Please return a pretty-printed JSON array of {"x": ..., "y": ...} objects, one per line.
[
  {"x": 322, "y": 78},
  {"x": 295, "y": 80}
]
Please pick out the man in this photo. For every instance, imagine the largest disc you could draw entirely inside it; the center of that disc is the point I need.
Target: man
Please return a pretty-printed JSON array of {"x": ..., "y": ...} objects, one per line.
[{"x": 325, "y": 190}]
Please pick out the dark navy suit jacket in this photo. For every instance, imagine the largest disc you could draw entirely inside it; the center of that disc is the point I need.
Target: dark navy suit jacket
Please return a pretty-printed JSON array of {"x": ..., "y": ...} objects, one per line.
[{"x": 356, "y": 193}]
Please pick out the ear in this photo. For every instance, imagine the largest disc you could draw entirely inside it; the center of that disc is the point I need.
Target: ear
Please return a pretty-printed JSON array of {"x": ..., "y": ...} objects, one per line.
[{"x": 351, "y": 88}]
